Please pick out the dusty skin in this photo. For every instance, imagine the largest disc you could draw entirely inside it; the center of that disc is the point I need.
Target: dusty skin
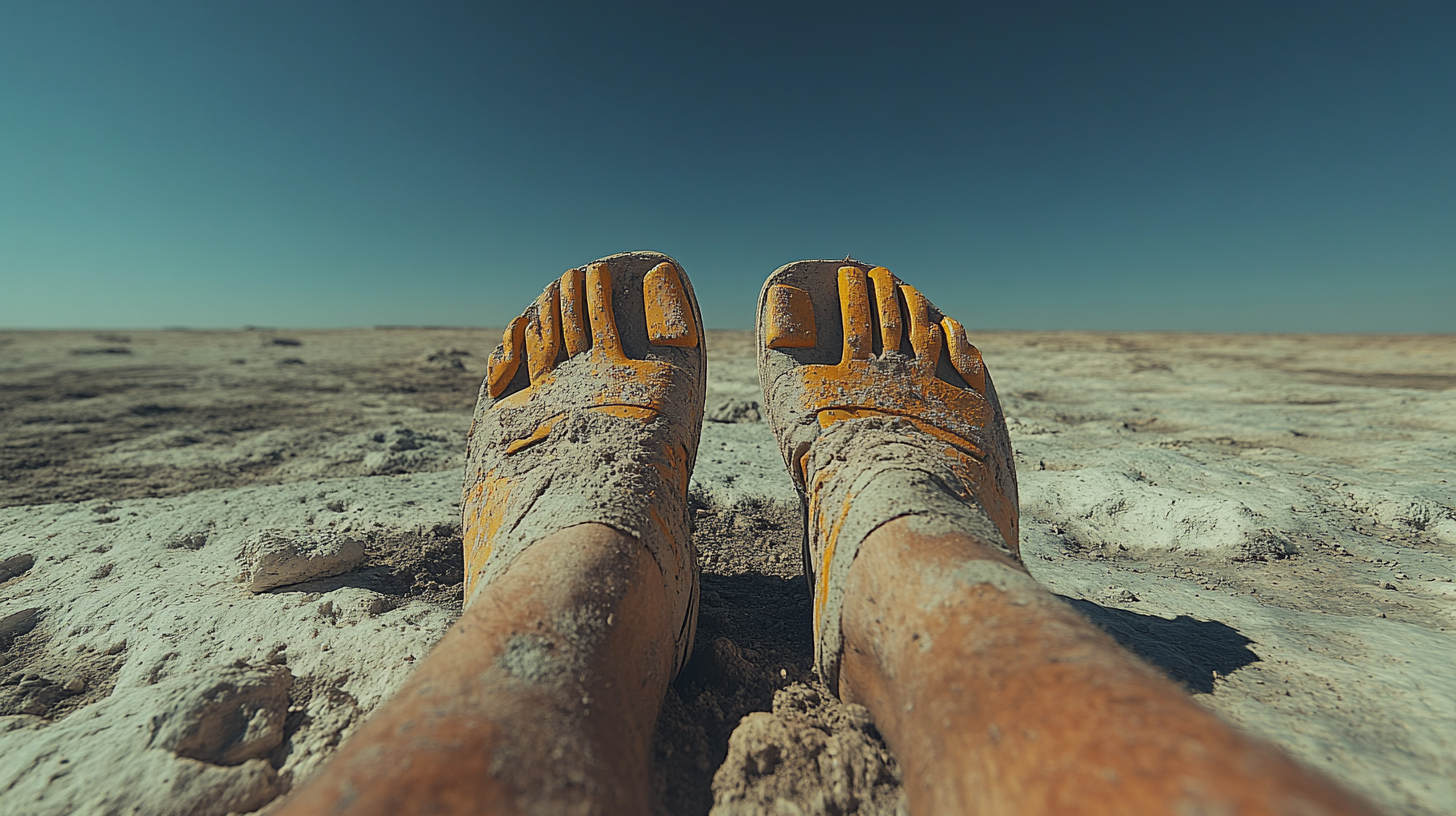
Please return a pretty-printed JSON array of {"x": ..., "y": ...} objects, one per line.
[{"x": 1267, "y": 519}]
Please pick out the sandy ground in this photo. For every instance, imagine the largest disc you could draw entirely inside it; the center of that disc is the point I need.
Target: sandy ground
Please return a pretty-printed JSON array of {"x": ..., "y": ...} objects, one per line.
[{"x": 220, "y": 550}]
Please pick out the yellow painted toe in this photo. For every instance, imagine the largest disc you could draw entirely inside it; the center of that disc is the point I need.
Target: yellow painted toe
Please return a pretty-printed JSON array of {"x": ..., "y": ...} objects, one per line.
[{"x": 790, "y": 317}]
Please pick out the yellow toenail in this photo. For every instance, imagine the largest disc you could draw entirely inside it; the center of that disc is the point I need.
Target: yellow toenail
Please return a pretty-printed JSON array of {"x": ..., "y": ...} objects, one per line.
[
  {"x": 965, "y": 357},
  {"x": 573, "y": 320},
  {"x": 887, "y": 303},
  {"x": 501, "y": 368},
  {"x": 543, "y": 335},
  {"x": 790, "y": 318},
  {"x": 669, "y": 315},
  {"x": 854, "y": 306}
]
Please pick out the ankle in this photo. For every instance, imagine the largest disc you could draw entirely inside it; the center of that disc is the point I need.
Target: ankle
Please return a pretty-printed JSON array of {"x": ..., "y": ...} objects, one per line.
[
  {"x": 909, "y": 587},
  {"x": 911, "y": 572},
  {"x": 866, "y": 490}
]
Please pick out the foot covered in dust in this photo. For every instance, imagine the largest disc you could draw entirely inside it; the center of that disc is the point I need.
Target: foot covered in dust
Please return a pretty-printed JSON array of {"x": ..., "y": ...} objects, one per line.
[
  {"x": 882, "y": 409},
  {"x": 591, "y": 412}
]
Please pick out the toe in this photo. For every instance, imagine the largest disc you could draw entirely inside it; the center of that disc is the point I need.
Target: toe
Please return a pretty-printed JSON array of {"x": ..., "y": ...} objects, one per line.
[
  {"x": 925, "y": 335},
  {"x": 669, "y": 313},
  {"x": 789, "y": 315},
  {"x": 854, "y": 308},
  {"x": 887, "y": 308},
  {"x": 543, "y": 334},
  {"x": 599, "y": 308},
  {"x": 965, "y": 357},
  {"x": 506, "y": 359},
  {"x": 574, "y": 330}
]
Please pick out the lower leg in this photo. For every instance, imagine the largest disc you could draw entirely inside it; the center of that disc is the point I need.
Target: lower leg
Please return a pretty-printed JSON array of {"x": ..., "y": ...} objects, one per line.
[
  {"x": 998, "y": 698},
  {"x": 541, "y": 698}
]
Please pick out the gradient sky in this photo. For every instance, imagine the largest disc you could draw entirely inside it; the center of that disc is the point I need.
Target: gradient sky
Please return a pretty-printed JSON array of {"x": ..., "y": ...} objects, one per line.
[{"x": 1226, "y": 166}]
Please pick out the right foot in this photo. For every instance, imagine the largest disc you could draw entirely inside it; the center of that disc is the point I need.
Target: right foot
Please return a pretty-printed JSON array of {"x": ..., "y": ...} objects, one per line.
[
  {"x": 590, "y": 413},
  {"x": 881, "y": 409}
]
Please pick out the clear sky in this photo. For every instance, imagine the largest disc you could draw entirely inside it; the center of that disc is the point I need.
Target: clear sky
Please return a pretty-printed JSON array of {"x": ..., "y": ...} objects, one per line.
[{"x": 1226, "y": 166}]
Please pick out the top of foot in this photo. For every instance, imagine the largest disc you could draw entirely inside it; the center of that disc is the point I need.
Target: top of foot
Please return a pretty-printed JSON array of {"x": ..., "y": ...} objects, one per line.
[{"x": 843, "y": 341}]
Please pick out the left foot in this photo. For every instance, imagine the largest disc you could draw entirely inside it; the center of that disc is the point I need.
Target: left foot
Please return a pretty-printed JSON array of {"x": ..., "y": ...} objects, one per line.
[
  {"x": 581, "y": 578},
  {"x": 590, "y": 413}
]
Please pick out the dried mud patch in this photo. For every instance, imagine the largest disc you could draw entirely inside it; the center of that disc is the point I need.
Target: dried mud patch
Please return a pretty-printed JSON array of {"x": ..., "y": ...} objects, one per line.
[
  {"x": 402, "y": 565},
  {"x": 72, "y": 423},
  {"x": 41, "y": 677}
]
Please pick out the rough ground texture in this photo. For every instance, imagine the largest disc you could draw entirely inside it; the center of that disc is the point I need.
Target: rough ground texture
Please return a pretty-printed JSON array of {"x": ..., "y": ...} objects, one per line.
[{"x": 1267, "y": 518}]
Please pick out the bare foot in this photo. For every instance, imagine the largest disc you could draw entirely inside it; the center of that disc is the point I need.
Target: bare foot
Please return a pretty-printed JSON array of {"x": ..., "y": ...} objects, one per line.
[
  {"x": 581, "y": 578},
  {"x": 590, "y": 413},
  {"x": 877, "y": 398},
  {"x": 996, "y": 697}
]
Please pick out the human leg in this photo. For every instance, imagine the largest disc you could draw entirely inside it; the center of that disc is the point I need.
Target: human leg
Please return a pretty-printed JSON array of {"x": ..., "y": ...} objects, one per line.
[
  {"x": 581, "y": 579},
  {"x": 540, "y": 699},
  {"x": 998, "y": 698}
]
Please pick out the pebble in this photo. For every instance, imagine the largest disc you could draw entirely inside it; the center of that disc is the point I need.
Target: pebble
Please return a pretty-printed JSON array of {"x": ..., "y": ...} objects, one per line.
[
  {"x": 276, "y": 558},
  {"x": 16, "y": 565}
]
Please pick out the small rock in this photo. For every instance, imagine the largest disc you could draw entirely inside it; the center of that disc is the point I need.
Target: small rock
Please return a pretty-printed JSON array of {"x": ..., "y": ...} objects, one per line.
[
  {"x": 14, "y": 625},
  {"x": 1387, "y": 585},
  {"x": 187, "y": 541},
  {"x": 276, "y": 558},
  {"x": 733, "y": 410},
  {"x": 1121, "y": 595},
  {"x": 116, "y": 648},
  {"x": 75, "y": 685},
  {"x": 443, "y": 360},
  {"x": 226, "y": 718},
  {"x": 15, "y": 565},
  {"x": 404, "y": 440},
  {"x": 103, "y": 350}
]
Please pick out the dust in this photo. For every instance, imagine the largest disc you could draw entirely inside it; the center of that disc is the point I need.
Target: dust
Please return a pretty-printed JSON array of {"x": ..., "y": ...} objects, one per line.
[{"x": 533, "y": 659}]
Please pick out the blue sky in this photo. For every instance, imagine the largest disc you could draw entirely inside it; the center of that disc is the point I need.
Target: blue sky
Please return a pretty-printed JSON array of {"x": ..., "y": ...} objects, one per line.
[{"x": 1231, "y": 166}]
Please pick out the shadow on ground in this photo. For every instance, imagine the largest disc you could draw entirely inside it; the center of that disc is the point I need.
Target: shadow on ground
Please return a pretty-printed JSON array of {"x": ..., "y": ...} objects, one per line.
[
  {"x": 753, "y": 639},
  {"x": 1189, "y": 651}
]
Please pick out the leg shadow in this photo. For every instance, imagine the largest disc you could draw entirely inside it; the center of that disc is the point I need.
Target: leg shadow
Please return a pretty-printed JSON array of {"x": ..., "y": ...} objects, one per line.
[
  {"x": 754, "y": 638},
  {"x": 1189, "y": 651}
]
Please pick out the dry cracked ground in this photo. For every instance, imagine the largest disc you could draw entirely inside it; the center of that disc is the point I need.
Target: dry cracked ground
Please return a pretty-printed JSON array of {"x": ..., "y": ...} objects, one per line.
[{"x": 220, "y": 550}]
